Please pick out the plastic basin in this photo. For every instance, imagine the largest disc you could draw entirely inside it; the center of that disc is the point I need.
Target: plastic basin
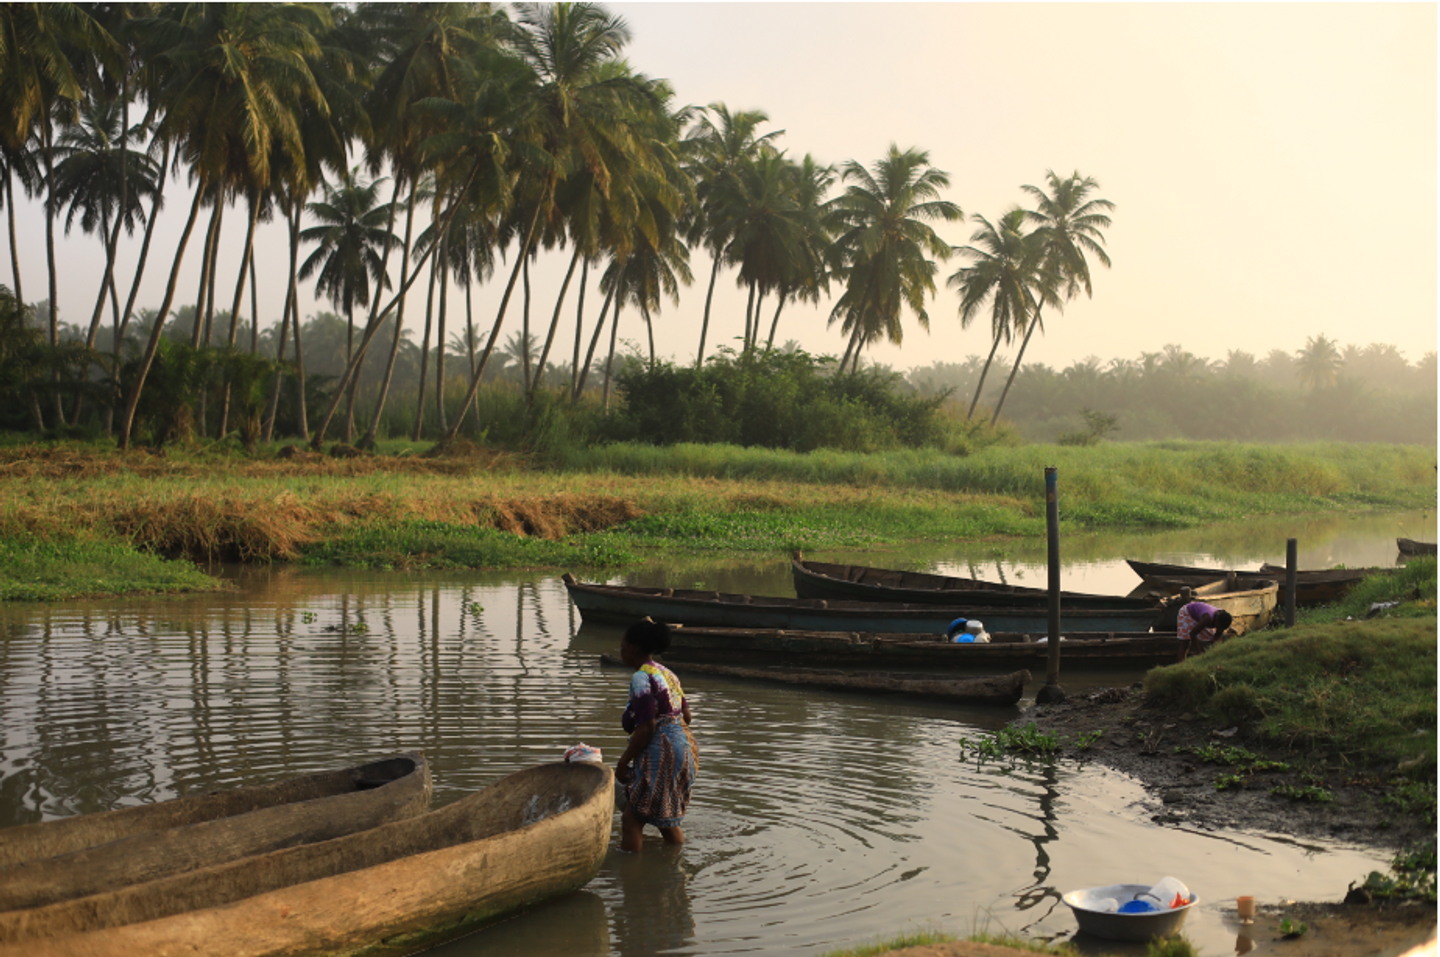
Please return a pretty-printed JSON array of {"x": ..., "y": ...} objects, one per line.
[{"x": 1112, "y": 926}]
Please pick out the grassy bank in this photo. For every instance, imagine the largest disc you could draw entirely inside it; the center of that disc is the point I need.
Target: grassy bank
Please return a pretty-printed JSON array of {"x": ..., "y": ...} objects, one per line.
[{"x": 617, "y": 505}]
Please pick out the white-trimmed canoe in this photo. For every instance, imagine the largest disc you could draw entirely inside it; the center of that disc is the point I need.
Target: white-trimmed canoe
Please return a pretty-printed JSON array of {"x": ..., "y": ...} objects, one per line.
[
  {"x": 393, "y": 890},
  {"x": 89, "y": 853}
]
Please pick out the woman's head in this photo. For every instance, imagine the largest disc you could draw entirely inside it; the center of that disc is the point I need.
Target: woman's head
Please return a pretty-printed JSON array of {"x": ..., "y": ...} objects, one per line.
[
  {"x": 647, "y": 636},
  {"x": 1221, "y": 621}
]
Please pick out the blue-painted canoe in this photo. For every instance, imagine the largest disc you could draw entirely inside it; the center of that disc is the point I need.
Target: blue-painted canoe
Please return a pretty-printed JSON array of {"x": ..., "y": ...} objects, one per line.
[{"x": 622, "y": 604}]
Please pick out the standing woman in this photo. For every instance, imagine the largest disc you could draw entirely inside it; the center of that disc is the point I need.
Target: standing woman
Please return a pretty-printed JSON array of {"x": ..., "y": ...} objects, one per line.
[{"x": 661, "y": 750}]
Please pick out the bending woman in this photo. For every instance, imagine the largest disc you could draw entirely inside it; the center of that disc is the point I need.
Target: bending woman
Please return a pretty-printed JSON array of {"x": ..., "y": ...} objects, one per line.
[{"x": 657, "y": 787}]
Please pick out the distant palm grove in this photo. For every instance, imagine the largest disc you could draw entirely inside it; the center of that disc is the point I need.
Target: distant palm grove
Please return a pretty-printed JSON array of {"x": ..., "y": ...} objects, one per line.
[{"x": 414, "y": 153}]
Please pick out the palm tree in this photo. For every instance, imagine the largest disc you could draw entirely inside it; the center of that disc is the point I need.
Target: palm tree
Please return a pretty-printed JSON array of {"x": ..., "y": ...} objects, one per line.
[
  {"x": 233, "y": 79},
  {"x": 1318, "y": 365},
  {"x": 886, "y": 242},
  {"x": 716, "y": 149},
  {"x": 353, "y": 231},
  {"x": 1070, "y": 224},
  {"x": 1006, "y": 270}
]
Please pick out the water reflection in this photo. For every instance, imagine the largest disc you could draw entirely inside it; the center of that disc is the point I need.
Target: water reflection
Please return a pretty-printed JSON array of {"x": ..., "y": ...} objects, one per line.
[{"x": 819, "y": 820}]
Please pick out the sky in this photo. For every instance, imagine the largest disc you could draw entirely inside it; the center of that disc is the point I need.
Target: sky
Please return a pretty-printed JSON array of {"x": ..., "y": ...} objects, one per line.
[{"x": 1273, "y": 166}]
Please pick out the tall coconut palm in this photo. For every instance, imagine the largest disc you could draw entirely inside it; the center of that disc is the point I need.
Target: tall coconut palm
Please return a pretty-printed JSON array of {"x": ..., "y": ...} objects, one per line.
[
  {"x": 1318, "y": 365},
  {"x": 1070, "y": 224},
  {"x": 353, "y": 232},
  {"x": 233, "y": 79},
  {"x": 887, "y": 243},
  {"x": 1006, "y": 270},
  {"x": 716, "y": 150}
]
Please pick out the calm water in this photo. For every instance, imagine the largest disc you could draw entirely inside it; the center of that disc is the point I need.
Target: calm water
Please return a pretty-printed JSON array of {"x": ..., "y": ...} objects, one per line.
[{"x": 819, "y": 820}]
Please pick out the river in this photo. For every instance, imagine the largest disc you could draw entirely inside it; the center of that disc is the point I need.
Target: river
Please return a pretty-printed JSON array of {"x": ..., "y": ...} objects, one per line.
[{"x": 819, "y": 820}]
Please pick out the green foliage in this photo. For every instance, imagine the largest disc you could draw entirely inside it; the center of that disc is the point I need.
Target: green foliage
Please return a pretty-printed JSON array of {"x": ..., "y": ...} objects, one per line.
[
  {"x": 57, "y": 570},
  {"x": 916, "y": 939},
  {"x": 1292, "y": 929},
  {"x": 429, "y": 544},
  {"x": 1360, "y": 691},
  {"x": 1413, "y": 586},
  {"x": 1097, "y": 426},
  {"x": 1411, "y": 875},
  {"x": 1303, "y": 792},
  {"x": 1026, "y": 739},
  {"x": 777, "y": 400}
]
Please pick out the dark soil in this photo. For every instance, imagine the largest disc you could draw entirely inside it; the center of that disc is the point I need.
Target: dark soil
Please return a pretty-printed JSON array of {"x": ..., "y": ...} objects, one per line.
[{"x": 1159, "y": 749}]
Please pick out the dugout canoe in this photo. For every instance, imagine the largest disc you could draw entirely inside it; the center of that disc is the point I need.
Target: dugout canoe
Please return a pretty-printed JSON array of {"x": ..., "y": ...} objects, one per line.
[
  {"x": 84, "y": 855},
  {"x": 983, "y": 690},
  {"x": 1410, "y": 547},
  {"x": 1250, "y": 602},
  {"x": 393, "y": 890},
  {"x": 1318, "y": 586},
  {"x": 863, "y": 583},
  {"x": 623, "y": 604},
  {"x": 748, "y": 647}
]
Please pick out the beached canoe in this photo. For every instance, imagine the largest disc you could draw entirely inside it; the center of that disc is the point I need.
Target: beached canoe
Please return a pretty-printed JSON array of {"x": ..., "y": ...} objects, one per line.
[
  {"x": 393, "y": 890},
  {"x": 987, "y": 690},
  {"x": 749, "y": 647},
  {"x": 1318, "y": 586},
  {"x": 1250, "y": 602},
  {"x": 1408, "y": 546},
  {"x": 622, "y": 604},
  {"x": 226, "y": 825},
  {"x": 863, "y": 583}
]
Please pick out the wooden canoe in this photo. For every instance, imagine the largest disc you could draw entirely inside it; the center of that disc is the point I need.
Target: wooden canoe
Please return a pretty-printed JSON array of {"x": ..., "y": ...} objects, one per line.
[
  {"x": 1408, "y": 546},
  {"x": 987, "y": 690},
  {"x": 863, "y": 583},
  {"x": 393, "y": 890},
  {"x": 622, "y": 604},
  {"x": 1250, "y": 602},
  {"x": 748, "y": 647},
  {"x": 226, "y": 825},
  {"x": 1318, "y": 586}
]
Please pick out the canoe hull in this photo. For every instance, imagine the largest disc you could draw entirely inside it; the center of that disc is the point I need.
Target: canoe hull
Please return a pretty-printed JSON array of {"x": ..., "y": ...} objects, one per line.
[
  {"x": 394, "y": 890},
  {"x": 621, "y": 605},
  {"x": 1410, "y": 547},
  {"x": 1321, "y": 586},
  {"x": 336, "y": 805},
  {"x": 863, "y": 583},
  {"x": 877, "y": 652}
]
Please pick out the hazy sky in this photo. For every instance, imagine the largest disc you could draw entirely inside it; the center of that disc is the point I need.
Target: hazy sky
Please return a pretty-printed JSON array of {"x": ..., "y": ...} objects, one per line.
[{"x": 1273, "y": 166}]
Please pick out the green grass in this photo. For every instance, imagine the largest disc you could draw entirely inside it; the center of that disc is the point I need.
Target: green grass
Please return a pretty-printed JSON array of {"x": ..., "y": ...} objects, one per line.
[
  {"x": 430, "y": 544},
  {"x": 1413, "y": 586},
  {"x": 41, "y": 570}
]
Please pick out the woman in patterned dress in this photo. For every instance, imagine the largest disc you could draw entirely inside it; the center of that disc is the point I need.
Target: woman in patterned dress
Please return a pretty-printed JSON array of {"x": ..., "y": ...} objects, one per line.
[
  {"x": 1199, "y": 625},
  {"x": 661, "y": 750}
]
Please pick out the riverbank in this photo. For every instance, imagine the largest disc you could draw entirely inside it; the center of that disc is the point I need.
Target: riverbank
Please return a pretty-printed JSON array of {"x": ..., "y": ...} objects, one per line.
[{"x": 618, "y": 506}]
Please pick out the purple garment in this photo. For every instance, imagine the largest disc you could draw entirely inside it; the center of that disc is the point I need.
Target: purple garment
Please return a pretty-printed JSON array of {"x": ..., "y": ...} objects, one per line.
[{"x": 654, "y": 693}]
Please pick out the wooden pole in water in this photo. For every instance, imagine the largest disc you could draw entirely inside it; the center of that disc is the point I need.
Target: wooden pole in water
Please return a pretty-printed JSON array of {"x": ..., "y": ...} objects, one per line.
[
  {"x": 1290, "y": 576},
  {"x": 1052, "y": 691}
]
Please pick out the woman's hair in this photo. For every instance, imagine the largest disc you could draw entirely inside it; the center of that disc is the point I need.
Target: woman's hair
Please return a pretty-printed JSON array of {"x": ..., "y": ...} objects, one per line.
[
  {"x": 650, "y": 636},
  {"x": 1222, "y": 620}
]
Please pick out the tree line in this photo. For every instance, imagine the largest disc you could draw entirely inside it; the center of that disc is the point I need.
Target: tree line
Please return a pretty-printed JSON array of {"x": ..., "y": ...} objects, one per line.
[{"x": 410, "y": 150}]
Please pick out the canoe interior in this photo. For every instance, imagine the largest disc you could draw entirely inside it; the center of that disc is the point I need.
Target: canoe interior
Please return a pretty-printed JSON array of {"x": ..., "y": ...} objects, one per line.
[
  {"x": 26, "y": 842},
  {"x": 431, "y": 875},
  {"x": 322, "y": 807},
  {"x": 1250, "y": 608}
]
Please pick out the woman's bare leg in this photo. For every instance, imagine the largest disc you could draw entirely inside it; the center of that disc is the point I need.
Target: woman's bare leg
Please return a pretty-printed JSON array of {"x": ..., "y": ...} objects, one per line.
[
  {"x": 672, "y": 835},
  {"x": 632, "y": 832}
]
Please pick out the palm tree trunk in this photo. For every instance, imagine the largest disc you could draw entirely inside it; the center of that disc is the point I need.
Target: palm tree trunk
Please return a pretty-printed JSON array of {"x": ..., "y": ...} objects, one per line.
[
  {"x": 590, "y": 353},
  {"x": 295, "y": 314},
  {"x": 354, "y": 380},
  {"x": 579, "y": 326},
  {"x": 45, "y": 137},
  {"x": 649, "y": 332},
  {"x": 555, "y": 321},
  {"x": 274, "y": 404},
  {"x": 254, "y": 311},
  {"x": 749, "y": 308},
  {"x": 212, "y": 281},
  {"x": 440, "y": 336},
  {"x": 371, "y": 433},
  {"x": 610, "y": 361},
  {"x": 205, "y": 260},
  {"x": 144, "y": 247},
  {"x": 705, "y": 322},
  {"x": 14, "y": 246},
  {"x": 495, "y": 329},
  {"x": 424, "y": 353},
  {"x": 128, "y": 421},
  {"x": 245, "y": 258},
  {"x": 525, "y": 326},
  {"x": 470, "y": 335},
  {"x": 775, "y": 324},
  {"x": 1016, "y": 368},
  {"x": 983, "y": 373}
]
